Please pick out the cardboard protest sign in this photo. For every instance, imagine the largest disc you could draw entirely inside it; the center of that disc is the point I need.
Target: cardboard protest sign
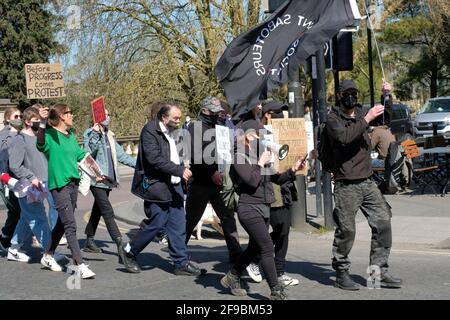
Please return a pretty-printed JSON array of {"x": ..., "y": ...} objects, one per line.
[
  {"x": 98, "y": 110},
  {"x": 44, "y": 81},
  {"x": 293, "y": 133}
]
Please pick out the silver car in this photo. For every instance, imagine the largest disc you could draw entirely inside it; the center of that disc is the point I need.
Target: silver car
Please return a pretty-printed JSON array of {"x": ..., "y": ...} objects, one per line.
[{"x": 434, "y": 115}]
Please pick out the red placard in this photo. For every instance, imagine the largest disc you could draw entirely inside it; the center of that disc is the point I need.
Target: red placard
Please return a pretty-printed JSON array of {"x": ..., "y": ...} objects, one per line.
[{"x": 98, "y": 110}]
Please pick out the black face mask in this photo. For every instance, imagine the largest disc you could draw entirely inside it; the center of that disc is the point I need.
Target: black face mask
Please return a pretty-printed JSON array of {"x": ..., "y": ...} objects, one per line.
[
  {"x": 349, "y": 102},
  {"x": 35, "y": 125},
  {"x": 221, "y": 121},
  {"x": 209, "y": 118},
  {"x": 278, "y": 115}
]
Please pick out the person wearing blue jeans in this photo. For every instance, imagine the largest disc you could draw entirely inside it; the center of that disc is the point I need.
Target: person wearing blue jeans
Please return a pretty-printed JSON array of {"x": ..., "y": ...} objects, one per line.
[
  {"x": 34, "y": 218},
  {"x": 159, "y": 163},
  {"x": 52, "y": 218},
  {"x": 173, "y": 217},
  {"x": 28, "y": 164}
]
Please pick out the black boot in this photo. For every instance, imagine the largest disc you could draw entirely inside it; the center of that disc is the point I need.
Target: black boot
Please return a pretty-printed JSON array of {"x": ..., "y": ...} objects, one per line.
[
  {"x": 129, "y": 260},
  {"x": 388, "y": 281},
  {"x": 344, "y": 281},
  {"x": 278, "y": 293},
  {"x": 90, "y": 246},
  {"x": 233, "y": 282}
]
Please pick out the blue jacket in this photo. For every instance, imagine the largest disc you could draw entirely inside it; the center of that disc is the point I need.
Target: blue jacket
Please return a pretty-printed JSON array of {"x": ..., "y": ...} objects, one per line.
[{"x": 95, "y": 144}]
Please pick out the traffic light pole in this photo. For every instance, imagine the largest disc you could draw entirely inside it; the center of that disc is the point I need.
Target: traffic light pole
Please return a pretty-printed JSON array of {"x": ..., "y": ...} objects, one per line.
[
  {"x": 298, "y": 208},
  {"x": 316, "y": 121},
  {"x": 323, "y": 111}
]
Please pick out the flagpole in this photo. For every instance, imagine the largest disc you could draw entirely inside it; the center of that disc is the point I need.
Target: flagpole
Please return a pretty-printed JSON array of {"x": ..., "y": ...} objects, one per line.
[{"x": 369, "y": 49}]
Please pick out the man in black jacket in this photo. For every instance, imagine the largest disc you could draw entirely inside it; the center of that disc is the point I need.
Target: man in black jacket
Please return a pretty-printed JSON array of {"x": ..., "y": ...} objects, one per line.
[
  {"x": 164, "y": 206},
  {"x": 347, "y": 127},
  {"x": 206, "y": 183}
]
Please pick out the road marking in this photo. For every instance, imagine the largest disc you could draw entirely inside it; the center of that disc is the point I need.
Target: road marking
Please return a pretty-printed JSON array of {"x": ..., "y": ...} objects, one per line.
[{"x": 422, "y": 252}]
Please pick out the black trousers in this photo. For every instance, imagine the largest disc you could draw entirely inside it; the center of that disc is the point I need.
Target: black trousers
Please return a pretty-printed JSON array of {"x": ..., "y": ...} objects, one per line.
[
  {"x": 102, "y": 208},
  {"x": 280, "y": 220},
  {"x": 13, "y": 215},
  {"x": 260, "y": 243},
  {"x": 66, "y": 202},
  {"x": 198, "y": 197}
]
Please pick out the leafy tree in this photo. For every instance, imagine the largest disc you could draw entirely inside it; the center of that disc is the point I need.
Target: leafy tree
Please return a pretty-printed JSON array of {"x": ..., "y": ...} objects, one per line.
[
  {"x": 135, "y": 53},
  {"x": 417, "y": 34},
  {"x": 27, "y": 35}
]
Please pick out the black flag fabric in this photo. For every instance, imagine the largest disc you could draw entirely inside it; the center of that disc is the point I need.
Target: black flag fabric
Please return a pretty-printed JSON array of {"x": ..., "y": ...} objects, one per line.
[{"x": 263, "y": 58}]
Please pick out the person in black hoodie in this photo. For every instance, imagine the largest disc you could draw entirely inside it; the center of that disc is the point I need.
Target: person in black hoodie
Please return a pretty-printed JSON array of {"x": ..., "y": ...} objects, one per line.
[
  {"x": 255, "y": 196},
  {"x": 347, "y": 126},
  {"x": 206, "y": 182}
]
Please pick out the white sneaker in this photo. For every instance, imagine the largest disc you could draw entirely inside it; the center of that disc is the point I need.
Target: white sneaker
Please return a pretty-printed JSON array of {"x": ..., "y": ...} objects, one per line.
[
  {"x": 85, "y": 272},
  {"x": 254, "y": 273},
  {"x": 15, "y": 255},
  {"x": 285, "y": 280},
  {"x": 49, "y": 262},
  {"x": 59, "y": 256}
]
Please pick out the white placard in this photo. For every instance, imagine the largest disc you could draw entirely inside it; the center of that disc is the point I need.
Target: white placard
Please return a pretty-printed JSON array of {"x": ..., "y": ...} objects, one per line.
[
  {"x": 309, "y": 135},
  {"x": 223, "y": 145},
  {"x": 270, "y": 137},
  {"x": 291, "y": 97}
]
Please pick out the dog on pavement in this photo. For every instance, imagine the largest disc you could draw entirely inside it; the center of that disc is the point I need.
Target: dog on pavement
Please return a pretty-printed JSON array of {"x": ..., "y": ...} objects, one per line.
[{"x": 208, "y": 217}]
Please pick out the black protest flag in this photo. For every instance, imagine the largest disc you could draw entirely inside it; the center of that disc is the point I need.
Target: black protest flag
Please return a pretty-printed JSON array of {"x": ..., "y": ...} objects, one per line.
[{"x": 263, "y": 58}]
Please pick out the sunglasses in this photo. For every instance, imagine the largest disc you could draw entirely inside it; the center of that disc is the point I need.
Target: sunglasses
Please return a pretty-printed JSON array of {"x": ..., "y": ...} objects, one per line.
[
  {"x": 346, "y": 94},
  {"x": 17, "y": 116},
  {"x": 68, "y": 112}
]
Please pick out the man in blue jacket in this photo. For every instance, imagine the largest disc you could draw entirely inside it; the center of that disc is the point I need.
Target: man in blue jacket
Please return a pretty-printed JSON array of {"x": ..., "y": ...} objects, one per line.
[{"x": 158, "y": 158}]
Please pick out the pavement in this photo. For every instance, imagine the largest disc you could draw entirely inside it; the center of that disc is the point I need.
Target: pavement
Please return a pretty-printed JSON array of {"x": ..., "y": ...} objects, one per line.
[{"x": 420, "y": 256}]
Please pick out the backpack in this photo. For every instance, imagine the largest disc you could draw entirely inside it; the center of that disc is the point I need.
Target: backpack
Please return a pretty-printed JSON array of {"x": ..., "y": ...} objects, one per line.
[
  {"x": 398, "y": 169},
  {"x": 231, "y": 182},
  {"x": 228, "y": 192},
  {"x": 324, "y": 148}
]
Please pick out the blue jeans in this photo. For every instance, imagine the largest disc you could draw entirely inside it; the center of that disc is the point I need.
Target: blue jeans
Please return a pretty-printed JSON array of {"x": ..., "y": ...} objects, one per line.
[
  {"x": 32, "y": 216},
  {"x": 171, "y": 215},
  {"x": 52, "y": 212}
]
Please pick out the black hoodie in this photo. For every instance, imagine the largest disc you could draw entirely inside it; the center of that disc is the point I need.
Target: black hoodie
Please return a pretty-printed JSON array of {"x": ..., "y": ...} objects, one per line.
[
  {"x": 351, "y": 144},
  {"x": 204, "y": 165}
]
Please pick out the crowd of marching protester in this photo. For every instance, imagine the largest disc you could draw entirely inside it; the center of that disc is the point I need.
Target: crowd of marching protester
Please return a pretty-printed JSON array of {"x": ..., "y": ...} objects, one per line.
[{"x": 40, "y": 159}]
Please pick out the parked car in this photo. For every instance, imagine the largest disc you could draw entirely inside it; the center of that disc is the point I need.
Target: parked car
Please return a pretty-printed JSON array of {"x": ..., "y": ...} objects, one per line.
[
  {"x": 434, "y": 115},
  {"x": 401, "y": 123}
]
